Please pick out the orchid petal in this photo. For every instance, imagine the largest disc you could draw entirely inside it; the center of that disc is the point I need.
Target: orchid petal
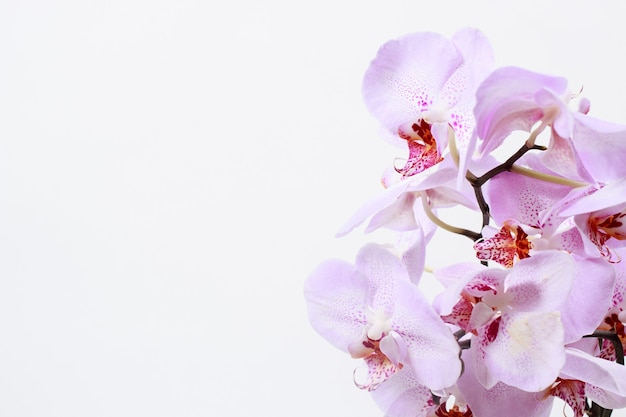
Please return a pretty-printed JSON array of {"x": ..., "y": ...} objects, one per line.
[
  {"x": 382, "y": 200},
  {"x": 606, "y": 399},
  {"x": 513, "y": 196},
  {"x": 443, "y": 173},
  {"x": 500, "y": 399},
  {"x": 433, "y": 351},
  {"x": 478, "y": 61},
  {"x": 589, "y": 299},
  {"x": 612, "y": 194},
  {"x": 601, "y": 147},
  {"x": 454, "y": 278},
  {"x": 393, "y": 347},
  {"x": 336, "y": 293},
  {"x": 383, "y": 271},
  {"x": 396, "y": 216},
  {"x": 459, "y": 91},
  {"x": 379, "y": 370},
  {"x": 414, "y": 257},
  {"x": 606, "y": 375},
  {"x": 460, "y": 315},
  {"x": 402, "y": 396},
  {"x": 619, "y": 292},
  {"x": 540, "y": 283},
  {"x": 572, "y": 392},
  {"x": 527, "y": 352},
  {"x": 563, "y": 160},
  {"x": 403, "y": 79},
  {"x": 506, "y": 101},
  {"x": 481, "y": 315}
]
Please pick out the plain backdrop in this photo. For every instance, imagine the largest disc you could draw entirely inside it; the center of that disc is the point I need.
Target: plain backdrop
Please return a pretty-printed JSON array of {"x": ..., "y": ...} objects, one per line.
[{"x": 172, "y": 170}]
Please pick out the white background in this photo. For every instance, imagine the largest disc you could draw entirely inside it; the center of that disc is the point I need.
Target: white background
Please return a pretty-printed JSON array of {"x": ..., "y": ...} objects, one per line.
[{"x": 171, "y": 171}]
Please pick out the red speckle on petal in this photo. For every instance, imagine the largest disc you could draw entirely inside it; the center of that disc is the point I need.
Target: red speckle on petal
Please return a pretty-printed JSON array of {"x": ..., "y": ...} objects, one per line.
[
  {"x": 509, "y": 243},
  {"x": 460, "y": 315},
  {"x": 379, "y": 366},
  {"x": 492, "y": 330},
  {"x": 423, "y": 151},
  {"x": 379, "y": 369},
  {"x": 604, "y": 228},
  {"x": 572, "y": 392}
]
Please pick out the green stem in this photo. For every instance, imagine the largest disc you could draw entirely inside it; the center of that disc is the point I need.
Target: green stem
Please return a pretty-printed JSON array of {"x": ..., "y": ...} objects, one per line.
[
  {"x": 546, "y": 177},
  {"x": 472, "y": 235}
]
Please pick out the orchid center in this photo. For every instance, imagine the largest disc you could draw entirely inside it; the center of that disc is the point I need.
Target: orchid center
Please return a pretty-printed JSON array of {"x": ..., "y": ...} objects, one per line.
[
  {"x": 436, "y": 115},
  {"x": 454, "y": 411},
  {"x": 380, "y": 324},
  {"x": 380, "y": 348},
  {"x": 423, "y": 150},
  {"x": 510, "y": 243},
  {"x": 605, "y": 227}
]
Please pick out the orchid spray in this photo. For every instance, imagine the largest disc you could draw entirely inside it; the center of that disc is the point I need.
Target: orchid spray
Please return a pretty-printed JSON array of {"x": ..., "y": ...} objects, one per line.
[{"x": 540, "y": 313}]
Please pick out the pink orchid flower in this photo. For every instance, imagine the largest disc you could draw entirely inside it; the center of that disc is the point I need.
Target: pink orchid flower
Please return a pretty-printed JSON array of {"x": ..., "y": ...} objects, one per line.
[
  {"x": 422, "y": 84},
  {"x": 372, "y": 311},
  {"x": 535, "y": 209},
  {"x": 513, "y": 98},
  {"x": 599, "y": 212},
  {"x": 398, "y": 207},
  {"x": 421, "y": 89},
  {"x": 514, "y": 314},
  {"x": 587, "y": 376},
  {"x": 528, "y": 212}
]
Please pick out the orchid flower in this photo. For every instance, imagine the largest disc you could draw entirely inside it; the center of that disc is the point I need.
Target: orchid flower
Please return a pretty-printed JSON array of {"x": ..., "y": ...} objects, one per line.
[
  {"x": 600, "y": 215},
  {"x": 515, "y": 315},
  {"x": 528, "y": 211},
  {"x": 421, "y": 89},
  {"x": 395, "y": 208},
  {"x": 586, "y": 376},
  {"x": 372, "y": 311},
  {"x": 536, "y": 218},
  {"x": 513, "y": 98},
  {"x": 422, "y": 84}
]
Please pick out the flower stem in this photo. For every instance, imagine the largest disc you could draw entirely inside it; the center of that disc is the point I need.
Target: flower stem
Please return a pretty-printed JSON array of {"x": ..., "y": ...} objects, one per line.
[
  {"x": 546, "y": 177},
  {"x": 505, "y": 166},
  {"x": 472, "y": 235}
]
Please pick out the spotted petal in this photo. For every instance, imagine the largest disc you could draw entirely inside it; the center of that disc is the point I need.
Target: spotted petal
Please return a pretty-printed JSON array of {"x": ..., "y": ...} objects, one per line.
[
  {"x": 336, "y": 294},
  {"x": 384, "y": 271},
  {"x": 433, "y": 352},
  {"x": 407, "y": 75},
  {"x": 608, "y": 378},
  {"x": 540, "y": 283},
  {"x": 402, "y": 395},
  {"x": 500, "y": 399},
  {"x": 527, "y": 353}
]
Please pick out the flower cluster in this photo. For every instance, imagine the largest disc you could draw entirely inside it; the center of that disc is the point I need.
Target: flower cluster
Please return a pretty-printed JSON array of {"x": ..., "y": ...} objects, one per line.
[{"x": 540, "y": 313}]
